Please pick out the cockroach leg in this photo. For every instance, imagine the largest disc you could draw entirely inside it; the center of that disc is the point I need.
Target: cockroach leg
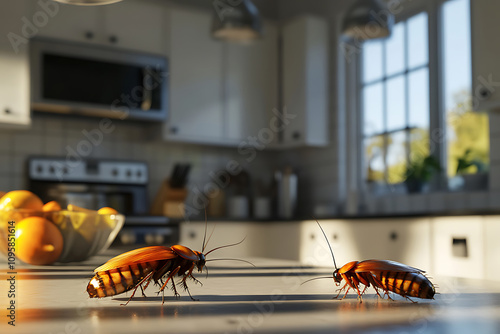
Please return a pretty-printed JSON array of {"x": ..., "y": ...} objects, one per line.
[
  {"x": 340, "y": 290},
  {"x": 172, "y": 274},
  {"x": 142, "y": 290},
  {"x": 133, "y": 293},
  {"x": 186, "y": 288}
]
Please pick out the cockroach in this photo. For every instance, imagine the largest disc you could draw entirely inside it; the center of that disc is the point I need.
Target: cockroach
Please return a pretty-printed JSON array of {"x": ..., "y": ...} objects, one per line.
[
  {"x": 381, "y": 274},
  {"x": 138, "y": 267}
]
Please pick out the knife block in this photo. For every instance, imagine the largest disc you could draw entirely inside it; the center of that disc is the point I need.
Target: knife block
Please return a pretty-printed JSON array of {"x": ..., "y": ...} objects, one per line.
[{"x": 169, "y": 201}]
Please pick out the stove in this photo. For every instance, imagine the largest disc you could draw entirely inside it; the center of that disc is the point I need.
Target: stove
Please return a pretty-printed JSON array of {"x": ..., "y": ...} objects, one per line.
[{"x": 93, "y": 184}]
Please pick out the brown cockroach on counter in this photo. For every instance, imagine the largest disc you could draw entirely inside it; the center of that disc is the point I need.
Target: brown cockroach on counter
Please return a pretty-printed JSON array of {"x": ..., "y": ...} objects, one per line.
[
  {"x": 381, "y": 274},
  {"x": 132, "y": 269}
]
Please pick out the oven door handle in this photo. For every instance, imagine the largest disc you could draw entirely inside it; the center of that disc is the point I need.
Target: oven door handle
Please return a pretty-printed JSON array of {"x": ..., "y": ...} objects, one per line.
[{"x": 147, "y": 84}]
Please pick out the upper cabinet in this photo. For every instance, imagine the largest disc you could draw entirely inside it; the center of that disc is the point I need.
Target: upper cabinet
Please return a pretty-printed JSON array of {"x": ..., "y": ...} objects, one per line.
[
  {"x": 305, "y": 59},
  {"x": 196, "y": 111},
  {"x": 251, "y": 85},
  {"x": 14, "y": 65},
  {"x": 485, "y": 16},
  {"x": 129, "y": 24},
  {"x": 219, "y": 93}
]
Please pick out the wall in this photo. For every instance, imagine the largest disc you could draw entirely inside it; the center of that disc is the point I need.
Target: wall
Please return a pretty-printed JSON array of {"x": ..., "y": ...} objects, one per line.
[
  {"x": 57, "y": 136},
  {"x": 319, "y": 170}
]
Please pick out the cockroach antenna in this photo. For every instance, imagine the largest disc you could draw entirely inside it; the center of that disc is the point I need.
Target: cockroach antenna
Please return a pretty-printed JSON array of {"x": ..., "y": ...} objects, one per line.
[
  {"x": 329, "y": 246},
  {"x": 205, "y": 234}
]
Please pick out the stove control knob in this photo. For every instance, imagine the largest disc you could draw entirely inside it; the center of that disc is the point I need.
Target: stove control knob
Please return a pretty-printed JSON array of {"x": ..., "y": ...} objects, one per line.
[
  {"x": 129, "y": 173},
  {"x": 114, "y": 172},
  {"x": 52, "y": 170},
  {"x": 149, "y": 238},
  {"x": 139, "y": 174},
  {"x": 39, "y": 169}
]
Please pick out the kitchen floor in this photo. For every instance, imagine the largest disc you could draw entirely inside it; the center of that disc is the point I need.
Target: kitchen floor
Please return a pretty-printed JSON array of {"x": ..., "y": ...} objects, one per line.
[{"x": 237, "y": 298}]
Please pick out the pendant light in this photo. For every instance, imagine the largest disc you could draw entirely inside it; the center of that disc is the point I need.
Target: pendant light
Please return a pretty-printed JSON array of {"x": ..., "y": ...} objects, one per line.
[
  {"x": 368, "y": 19},
  {"x": 88, "y": 2},
  {"x": 236, "y": 21}
]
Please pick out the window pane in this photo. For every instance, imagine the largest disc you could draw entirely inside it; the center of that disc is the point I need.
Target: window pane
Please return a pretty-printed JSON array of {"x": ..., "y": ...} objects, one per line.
[
  {"x": 418, "y": 51},
  {"x": 418, "y": 88},
  {"x": 372, "y": 60},
  {"x": 395, "y": 52},
  {"x": 467, "y": 131},
  {"x": 374, "y": 155},
  {"x": 396, "y": 102},
  {"x": 396, "y": 157},
  {"x": 373, "y": 109}
]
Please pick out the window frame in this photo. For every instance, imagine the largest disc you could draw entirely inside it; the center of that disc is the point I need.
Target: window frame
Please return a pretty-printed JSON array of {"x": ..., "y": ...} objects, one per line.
[{"x": 437, "y": 113}]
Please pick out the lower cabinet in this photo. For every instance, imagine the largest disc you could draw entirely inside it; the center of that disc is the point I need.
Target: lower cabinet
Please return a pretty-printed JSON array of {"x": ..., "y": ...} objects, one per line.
[
  {"x": 458, "y": 246},
  {"x": 356, "y": 240},
  {"x": 461, "y": 246}
]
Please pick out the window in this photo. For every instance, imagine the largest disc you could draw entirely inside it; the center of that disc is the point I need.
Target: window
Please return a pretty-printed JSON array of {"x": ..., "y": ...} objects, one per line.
[
  {"x": 397, "y": 111},
  {"x": 467, "y": 131},
  {"x": 395, "y": 94}
]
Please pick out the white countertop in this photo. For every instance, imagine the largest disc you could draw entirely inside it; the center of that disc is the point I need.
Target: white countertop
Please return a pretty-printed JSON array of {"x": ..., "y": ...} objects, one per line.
[{"x": 236, "y": 298}]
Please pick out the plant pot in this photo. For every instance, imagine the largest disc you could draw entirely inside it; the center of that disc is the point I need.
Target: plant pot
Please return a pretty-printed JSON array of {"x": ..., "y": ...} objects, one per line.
[{"x": 416, "y": 186}]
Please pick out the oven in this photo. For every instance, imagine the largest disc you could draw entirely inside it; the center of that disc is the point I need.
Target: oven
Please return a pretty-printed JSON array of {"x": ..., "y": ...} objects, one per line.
[{"x": 93, "y": 184}]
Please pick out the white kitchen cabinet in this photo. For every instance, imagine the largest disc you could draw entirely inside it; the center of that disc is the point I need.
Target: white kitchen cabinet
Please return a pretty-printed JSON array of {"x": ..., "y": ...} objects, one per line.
[
  {"x": 225, "y": 233},
  {"x": 314, "y": 248},
  {"x": 305, "y": 81},
  {"x": 219, "y": 93},
  {"x": 458, "y": 246},
  {"x": 196, "y": 111},
  {"x": 14, "y": 66},
  {"x": 251, "y": 83},
  {"x": 407, "y": 242},
  {"x": 136, "y": 25},
  {"x": 491, "y": 225},
  {"x": 129, "y": 24},
  {"x": 485, "y": 16}
]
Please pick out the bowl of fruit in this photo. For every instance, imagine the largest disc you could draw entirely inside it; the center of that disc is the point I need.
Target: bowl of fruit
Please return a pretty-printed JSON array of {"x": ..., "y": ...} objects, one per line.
[{"x": 43, "y": 234}]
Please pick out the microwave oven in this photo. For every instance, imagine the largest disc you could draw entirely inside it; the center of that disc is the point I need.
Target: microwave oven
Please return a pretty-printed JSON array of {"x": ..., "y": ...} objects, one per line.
[{"x": 89, "y": 80}]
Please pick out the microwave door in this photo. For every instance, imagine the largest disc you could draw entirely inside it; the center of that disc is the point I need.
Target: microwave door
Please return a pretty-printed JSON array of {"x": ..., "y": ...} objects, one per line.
[{"x": 148, "y": 86}]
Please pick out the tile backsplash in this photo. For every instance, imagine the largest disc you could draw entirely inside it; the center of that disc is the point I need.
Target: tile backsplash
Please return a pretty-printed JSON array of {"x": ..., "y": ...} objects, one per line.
[{"x": 72, "y": 137}]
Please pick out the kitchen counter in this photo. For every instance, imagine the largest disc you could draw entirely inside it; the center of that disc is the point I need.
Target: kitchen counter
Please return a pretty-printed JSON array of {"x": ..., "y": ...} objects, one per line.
[{"x": 236, "y": 298}]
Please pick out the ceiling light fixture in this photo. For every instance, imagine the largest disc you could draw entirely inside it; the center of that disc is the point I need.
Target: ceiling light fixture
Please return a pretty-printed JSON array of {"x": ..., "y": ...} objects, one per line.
[
  {"x": 236, "y": 21},
  {"x": 368, "y": 19},
  {"x": 88, "y": 2}
]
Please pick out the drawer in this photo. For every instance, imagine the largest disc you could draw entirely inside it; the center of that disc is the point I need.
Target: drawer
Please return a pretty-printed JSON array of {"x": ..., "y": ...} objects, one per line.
[{"x": 458, "y": 246}]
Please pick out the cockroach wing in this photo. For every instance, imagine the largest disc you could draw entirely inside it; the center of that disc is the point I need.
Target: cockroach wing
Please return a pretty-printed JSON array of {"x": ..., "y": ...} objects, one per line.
[
  {"x": 385, "y": 265},
  {"x": 185, "y": 252},
  {"x": 140, "y": 255}
]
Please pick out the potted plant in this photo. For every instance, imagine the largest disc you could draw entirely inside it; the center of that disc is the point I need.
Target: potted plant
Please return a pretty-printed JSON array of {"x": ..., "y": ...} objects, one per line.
[
  {"x": 471, "y": 181},
  {"x": 419, "y": 172}
]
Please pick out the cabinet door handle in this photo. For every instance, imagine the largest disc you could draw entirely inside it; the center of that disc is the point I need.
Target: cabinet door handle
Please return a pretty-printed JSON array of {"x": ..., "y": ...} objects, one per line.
[
  {"x": 174, "y": 129},
  {"x": 113, "y": 39},
  {"x": 296, "y": 135},
  {"x": 7, "y": 111},
  {"x": 89, "y": 35}
]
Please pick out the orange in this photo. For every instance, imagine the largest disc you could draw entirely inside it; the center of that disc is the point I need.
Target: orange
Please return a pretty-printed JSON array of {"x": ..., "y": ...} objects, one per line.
[
  {"x": 20, "y": 199},
  {"x": 107, "y": 211},
  {"x": 2, "y": 193},
  {"x": 38, "y": 241},
  {"x": 51, "y": 206}
]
